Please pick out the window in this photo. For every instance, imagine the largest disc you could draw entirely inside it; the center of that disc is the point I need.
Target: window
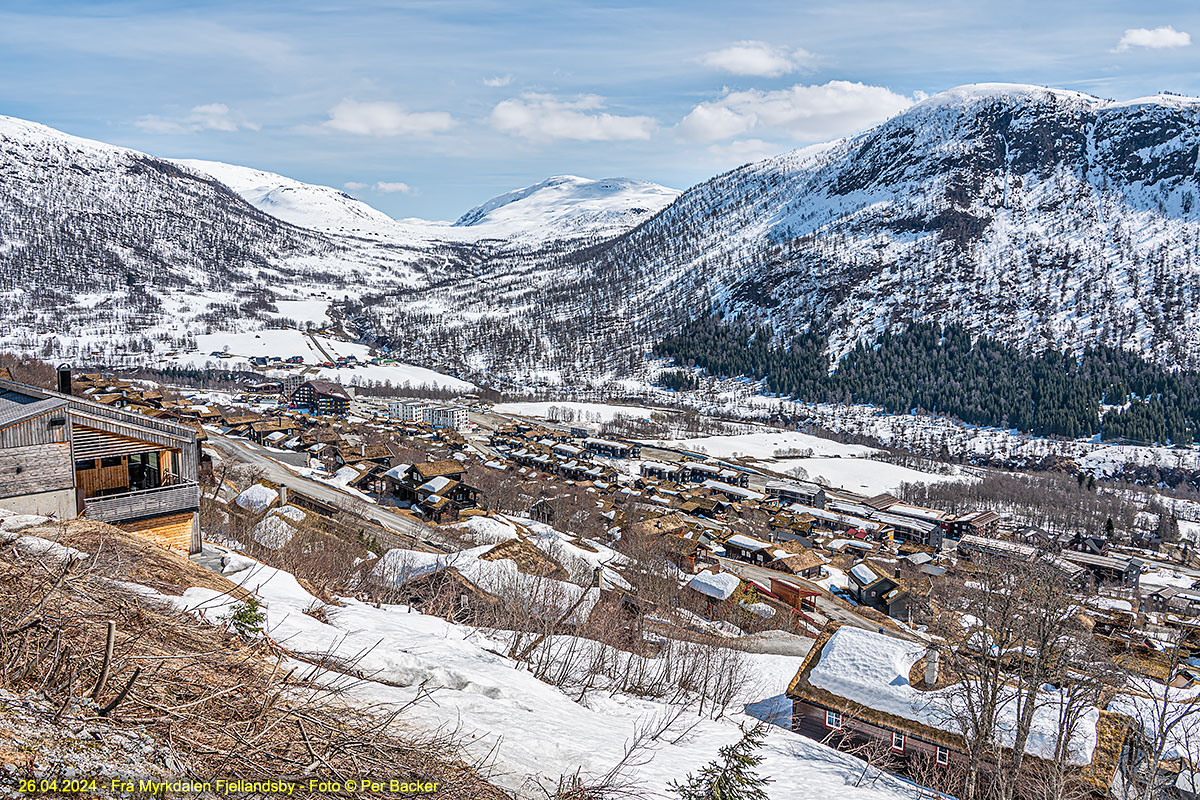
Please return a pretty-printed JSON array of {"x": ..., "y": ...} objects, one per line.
[
  {"x": 833, "y": 720},
  {"x": 898, "y": 742},
  {"x": 89, "y": 463},
  {"x": 110, "y": 461},
  {"x": 943, "y": 756}
]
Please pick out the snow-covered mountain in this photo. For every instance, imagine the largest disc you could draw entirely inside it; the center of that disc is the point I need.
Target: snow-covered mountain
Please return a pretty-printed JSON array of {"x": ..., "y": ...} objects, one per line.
[
  {"x": 105, "y": 249},
  {"x": 307, "y": 205},
  {"x": 560, "y": 208},
  {"x": 569, "y": 205},
  {"x": 1042, "y": 217}
]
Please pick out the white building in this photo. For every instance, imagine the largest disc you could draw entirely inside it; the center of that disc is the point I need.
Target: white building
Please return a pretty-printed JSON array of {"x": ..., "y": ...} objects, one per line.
[{"x": 439, "y": 415}]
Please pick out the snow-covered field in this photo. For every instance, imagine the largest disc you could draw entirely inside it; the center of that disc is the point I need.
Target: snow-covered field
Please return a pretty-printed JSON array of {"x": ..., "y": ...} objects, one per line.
[
  {"x": 844, "y": 466},
  {"x": 530, "y": 730},
  {"x": 314, "y": 349},
  {"x": 582, "y": 412},
  {"x": 863, "y": 475},
  {"x": 766, "y": 446}
]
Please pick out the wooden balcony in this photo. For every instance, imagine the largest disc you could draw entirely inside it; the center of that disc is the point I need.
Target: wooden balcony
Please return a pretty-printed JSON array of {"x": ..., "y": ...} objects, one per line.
[{"x": 143, "y": 503}]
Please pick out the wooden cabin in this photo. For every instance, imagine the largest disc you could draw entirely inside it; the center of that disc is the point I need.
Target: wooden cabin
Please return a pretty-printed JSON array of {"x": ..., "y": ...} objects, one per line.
[
  {"x": 65, "y": 456},
  {"x": 852, "y": 682}
]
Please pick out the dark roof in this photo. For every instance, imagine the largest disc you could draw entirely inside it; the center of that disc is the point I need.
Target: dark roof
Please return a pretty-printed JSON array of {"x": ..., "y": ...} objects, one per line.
[
  {"x": 17, "y": 406},
  {"x": 327, "y": 388}
]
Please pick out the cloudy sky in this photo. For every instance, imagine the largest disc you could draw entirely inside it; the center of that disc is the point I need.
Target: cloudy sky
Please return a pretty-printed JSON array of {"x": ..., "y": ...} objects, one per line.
[{"x": 428, "y": 108}]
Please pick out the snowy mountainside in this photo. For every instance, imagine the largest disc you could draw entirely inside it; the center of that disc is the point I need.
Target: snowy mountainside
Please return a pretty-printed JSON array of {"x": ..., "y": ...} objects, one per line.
[
  {"x": 566, "y": 205},
  {"x": 562, "y": 207},
  {"x": 109, "y": 254},
  {"x": 303, "y": 204},
  {"x": 1040, "y": 217}
]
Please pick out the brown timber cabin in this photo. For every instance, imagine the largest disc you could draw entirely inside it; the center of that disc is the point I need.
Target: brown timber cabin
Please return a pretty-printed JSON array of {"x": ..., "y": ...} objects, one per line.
[{"x": 830, "y": 716}]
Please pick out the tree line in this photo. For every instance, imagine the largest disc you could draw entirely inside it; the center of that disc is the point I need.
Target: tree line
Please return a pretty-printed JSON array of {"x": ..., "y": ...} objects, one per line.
[{"x": 942, "y": 369}]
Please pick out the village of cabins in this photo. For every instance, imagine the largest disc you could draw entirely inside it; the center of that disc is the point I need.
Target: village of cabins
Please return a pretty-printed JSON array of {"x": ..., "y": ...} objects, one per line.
[{"x": 843, "y": 570}]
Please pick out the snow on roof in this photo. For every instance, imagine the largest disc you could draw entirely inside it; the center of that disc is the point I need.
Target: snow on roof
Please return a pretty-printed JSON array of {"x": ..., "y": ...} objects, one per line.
[
  {"x": 500, "y": 578},
  {"x": 747, "y": 542},
  {"x": 728, "y": 488},
  {"x": 606, "y": 443},
  {"x": 917, "y": 512},
  {"x": 257, "y": 498},
  {"x": 859, "y": 544},
  {"x": 864, "y": 574},
  {"x": 872, "y": 669},
  {"x": 1109, "y": 603},
  {"x": 274, "y": 532},
  {"x": 397, "y": 471},
  {"x": 719, "y": 586},
  {"x": 435, "y": 485}
]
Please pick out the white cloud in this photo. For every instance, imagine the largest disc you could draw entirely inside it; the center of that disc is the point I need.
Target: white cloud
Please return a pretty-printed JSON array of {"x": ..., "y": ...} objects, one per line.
[
  {"x": 1155, "y": 38},
  {"x": 393, "y": 187},
  {"x": 806, "y": 113},
  {"x": 743, "y": 151},
  {"x": 207, "y": 117},
  {"x": 385, "y": 187},
  {"x": 758, "y": 58},
  {"x": 384, "y": 118},
  {"x": 498, "y": 80},
  {"x": 545, "y": 117}
]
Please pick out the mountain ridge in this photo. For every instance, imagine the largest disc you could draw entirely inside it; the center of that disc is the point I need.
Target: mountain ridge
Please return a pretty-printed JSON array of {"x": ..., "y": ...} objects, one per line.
[{"x": 1046, "y": 218}]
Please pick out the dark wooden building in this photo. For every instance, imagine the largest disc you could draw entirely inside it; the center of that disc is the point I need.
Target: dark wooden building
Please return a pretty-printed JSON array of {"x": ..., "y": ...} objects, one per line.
[
  {"x": 322, "y": 397},
  {"x": 851, "y": 683}
]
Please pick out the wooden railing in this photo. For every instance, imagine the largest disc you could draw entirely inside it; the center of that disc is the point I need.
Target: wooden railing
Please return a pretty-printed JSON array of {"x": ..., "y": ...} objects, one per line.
[{"x": 143, "y": 503}]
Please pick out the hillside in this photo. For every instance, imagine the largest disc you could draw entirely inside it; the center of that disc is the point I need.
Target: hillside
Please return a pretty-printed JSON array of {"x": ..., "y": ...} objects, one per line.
[
  {"x": 110, "y": 254},
  {"x": 185, "y": 693},
  {"x": 333, "y": 687},
  {"x": 1041, "y": 217}
]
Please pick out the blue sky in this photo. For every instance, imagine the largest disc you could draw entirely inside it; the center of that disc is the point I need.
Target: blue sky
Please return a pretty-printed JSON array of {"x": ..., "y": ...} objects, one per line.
[{"x": 428, "y": 108}]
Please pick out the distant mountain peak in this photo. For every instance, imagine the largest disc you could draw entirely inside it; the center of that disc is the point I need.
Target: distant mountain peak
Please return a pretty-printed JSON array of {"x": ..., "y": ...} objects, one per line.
[{"x": 570, "y": 203}]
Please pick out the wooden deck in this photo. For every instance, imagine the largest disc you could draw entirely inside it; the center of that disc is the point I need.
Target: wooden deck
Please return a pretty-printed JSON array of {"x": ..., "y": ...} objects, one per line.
[{"x": 144, "y": 503}]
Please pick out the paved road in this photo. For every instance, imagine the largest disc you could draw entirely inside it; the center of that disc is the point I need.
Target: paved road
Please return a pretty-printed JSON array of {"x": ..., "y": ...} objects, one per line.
[{"x": 250, "y": 453}]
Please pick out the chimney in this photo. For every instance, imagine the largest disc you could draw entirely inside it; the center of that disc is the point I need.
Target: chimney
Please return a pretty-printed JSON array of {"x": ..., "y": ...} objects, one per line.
[
  {"x": 283, "y": 496},
  {"x": 598, "y": 577},
  {"x": 64, "y": 378},
  {"x": 931, "y": 665}
]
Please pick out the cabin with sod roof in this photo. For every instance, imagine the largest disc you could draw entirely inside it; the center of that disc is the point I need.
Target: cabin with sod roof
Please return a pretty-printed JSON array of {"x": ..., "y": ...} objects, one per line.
[
  {"x": 435, "y": 488},
  {"x": 871, "y": 587},
  {"x": 748, "y": 549},
  {"x": 857, "y": 686}
]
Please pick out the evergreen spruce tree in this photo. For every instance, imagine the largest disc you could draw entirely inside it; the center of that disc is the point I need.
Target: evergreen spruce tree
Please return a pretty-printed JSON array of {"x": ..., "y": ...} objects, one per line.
[{"x": 731, "y": 775}]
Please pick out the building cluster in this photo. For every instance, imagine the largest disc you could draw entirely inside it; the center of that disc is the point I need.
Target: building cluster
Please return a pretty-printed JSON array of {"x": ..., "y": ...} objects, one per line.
[
  {"x": 363, "y": 455},
  {"x": 436, "y": 415}
]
